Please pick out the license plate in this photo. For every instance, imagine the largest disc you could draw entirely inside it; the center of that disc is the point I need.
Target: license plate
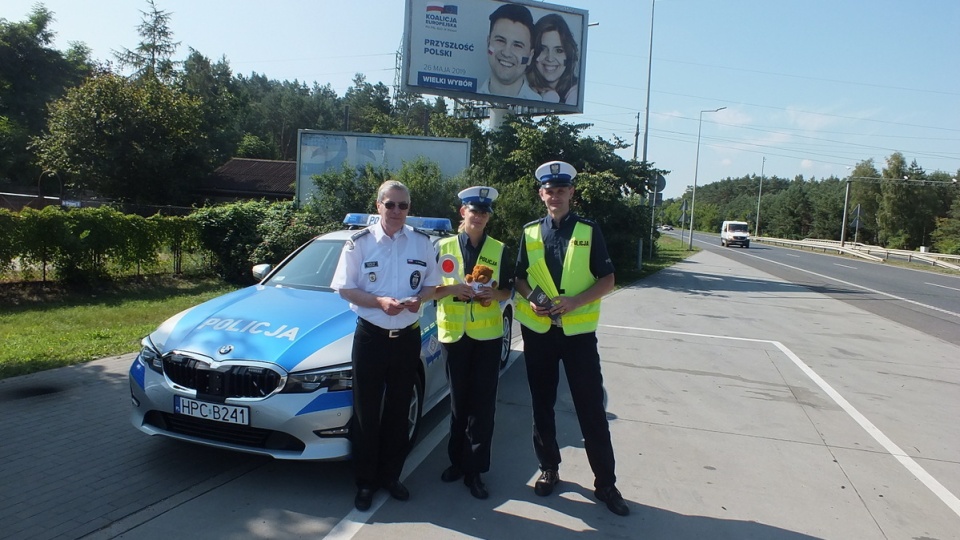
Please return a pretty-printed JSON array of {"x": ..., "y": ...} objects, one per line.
[{"x": 217, "y": 412}]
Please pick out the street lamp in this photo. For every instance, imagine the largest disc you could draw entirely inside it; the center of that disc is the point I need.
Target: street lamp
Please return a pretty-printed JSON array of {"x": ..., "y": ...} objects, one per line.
[
  {"x": 646, "y": 126},
  {"x": 756, "y": 228},
  {"x": 696, "y": 170}
]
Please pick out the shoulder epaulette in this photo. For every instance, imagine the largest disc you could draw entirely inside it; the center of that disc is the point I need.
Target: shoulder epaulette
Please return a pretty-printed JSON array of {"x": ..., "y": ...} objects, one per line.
[
  {"x": 421, "y": 232},
  {"x": 533, "y": 222},
  {"x": 589, "y": 222},
  {"x": 359, "y": 234}
]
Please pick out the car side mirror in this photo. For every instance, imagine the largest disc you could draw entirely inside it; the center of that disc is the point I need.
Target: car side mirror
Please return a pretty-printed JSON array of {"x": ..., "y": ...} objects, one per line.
[{"x": 261, "y": 270}]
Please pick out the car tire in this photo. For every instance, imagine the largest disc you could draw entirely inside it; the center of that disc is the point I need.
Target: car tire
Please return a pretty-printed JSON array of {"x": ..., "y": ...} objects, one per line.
[
  {"x": 747, "y": 245},
  {"x": 415, "y": 410},
  {"x": 507, "y": 337}
]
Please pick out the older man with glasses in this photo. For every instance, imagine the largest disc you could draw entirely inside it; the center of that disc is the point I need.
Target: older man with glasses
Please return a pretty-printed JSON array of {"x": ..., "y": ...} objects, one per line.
[{"x": 385, "y": 271}]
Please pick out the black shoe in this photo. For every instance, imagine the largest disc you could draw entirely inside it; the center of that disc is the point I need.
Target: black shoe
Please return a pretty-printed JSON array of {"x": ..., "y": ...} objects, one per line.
[
  {"x": 398, "y": 491},
  {"x": 545, "y": 483},
  {"x": 451, "y": 474},
  {"x": 611, "y": 495},
  {"x": 363, "y": 499},
  {"x": 477, "y": 489}
]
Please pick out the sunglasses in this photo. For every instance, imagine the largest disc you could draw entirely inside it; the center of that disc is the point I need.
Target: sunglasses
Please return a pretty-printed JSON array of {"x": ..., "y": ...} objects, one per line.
[{"x": 391, "y": 205}]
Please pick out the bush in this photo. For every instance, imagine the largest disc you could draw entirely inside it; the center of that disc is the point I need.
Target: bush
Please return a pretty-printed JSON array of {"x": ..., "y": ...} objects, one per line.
[{"x": 230, "y": 233}]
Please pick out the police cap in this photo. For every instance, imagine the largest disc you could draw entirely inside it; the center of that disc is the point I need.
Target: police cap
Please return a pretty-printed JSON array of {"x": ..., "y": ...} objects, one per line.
[
  {"x": 479, "y": 198},
  {"x": 555, "y": 174}
]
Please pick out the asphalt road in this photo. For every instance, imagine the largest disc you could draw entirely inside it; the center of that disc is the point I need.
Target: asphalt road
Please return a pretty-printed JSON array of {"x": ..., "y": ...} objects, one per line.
[
  {"x": 923, "y": 300},
  {"x": 742, "y": 405}
]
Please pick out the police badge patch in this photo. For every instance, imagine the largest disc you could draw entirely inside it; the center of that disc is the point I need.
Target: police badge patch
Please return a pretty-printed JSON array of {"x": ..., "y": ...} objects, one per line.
[
  {"x": 415, "y": 279},
  {"x": 372, "y": 277}
]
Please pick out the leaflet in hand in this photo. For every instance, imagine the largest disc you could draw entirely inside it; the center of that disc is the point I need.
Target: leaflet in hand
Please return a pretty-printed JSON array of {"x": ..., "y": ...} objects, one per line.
[{"x": 540, "y": 298}]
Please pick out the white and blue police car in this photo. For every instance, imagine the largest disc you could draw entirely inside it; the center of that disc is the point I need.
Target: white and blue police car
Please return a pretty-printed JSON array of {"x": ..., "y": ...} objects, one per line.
[{"x": 266, "y": 369}]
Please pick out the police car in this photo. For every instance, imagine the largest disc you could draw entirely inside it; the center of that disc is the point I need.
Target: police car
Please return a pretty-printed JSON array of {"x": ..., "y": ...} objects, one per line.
[{"x": 266, "y": 369}]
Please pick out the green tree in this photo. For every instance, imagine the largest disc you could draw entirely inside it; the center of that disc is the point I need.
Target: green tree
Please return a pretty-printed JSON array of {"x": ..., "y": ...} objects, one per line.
[
  {"x": 129, "y": 141},
  {"x": 212, "y": 85},
  {"x": 153, "y": 57},
  {"x": 865, "y": 193},
  {"x": 892, "y": 214},
  {"x": 368, "y": 107},
  {"x": 32, "y": 74},
  {"x": 826, "y": 208},
  {"x": 254, "y": 147},
  {"x": 946, "y": 237}
]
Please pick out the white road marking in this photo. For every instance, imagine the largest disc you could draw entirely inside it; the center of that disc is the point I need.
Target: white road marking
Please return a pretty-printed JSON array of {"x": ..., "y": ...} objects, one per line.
[
  {"x": 912, "y": 466},
  {"x": 351, "y": 523},
  {"x": 845, "y": 266},
  {"x": 868, "y": 289},
  {"x": 942, "y": 286}
]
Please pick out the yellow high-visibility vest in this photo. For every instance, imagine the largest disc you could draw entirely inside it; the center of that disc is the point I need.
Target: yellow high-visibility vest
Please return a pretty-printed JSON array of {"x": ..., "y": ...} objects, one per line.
[
  {"x": 455, "y": 318},
  {"x": 576, "y": 279}
]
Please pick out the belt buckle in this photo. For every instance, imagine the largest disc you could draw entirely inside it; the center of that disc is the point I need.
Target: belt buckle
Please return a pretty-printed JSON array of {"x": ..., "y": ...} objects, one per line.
[{"x": 394, "y": 333}]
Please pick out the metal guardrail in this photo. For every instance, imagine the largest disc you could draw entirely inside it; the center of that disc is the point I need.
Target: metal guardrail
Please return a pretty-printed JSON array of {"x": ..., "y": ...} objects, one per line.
[
  {"x": 866, "y": 251},
  {"x": 817, "y": 245},
  {"x": 944, "y": 260}
]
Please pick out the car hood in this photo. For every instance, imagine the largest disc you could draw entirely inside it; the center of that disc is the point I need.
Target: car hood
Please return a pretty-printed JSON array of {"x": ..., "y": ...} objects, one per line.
[{"x": 292, "y": 328}]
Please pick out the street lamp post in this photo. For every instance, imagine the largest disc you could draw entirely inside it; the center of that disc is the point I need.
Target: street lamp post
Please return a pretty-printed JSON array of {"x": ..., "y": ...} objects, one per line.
[
  {"x": 756, "y": 227},
  {"x": 696, "y": 170},
  {"x": 646, "y": 126}
]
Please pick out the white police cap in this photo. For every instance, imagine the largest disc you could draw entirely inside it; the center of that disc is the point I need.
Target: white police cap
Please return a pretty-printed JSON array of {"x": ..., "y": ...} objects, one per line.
[
  {"x": 479, "y": 198},
  {"x": 555, "y": 174}
]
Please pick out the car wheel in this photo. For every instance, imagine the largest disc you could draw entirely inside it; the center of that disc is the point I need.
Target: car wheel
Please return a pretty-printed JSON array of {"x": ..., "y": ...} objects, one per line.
[
  {"x": 747, "y": 245},
  {"x": 722, "y": 243},
  {"x": 507, "y": 338},
  {"x": 415, "y": 411}
]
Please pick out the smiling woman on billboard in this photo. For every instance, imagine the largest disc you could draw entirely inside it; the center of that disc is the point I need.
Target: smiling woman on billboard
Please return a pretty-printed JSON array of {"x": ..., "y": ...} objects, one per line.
[{"x": 554, "y": 71}]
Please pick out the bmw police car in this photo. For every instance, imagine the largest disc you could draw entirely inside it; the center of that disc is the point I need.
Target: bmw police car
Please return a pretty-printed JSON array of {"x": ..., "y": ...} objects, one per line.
[{"x": 266, "y": 369}]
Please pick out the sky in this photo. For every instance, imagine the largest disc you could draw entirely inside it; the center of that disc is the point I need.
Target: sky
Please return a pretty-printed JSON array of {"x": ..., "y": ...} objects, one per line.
[{"x": 810, "y": 87}]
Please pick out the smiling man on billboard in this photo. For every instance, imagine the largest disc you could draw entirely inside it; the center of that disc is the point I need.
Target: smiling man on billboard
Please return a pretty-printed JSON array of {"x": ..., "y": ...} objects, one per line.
[{"x": 509, "y": 50}]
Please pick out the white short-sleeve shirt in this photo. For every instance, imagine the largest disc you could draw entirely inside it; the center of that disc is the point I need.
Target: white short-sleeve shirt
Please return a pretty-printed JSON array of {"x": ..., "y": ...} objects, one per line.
[{"x": 397, "y": 267}]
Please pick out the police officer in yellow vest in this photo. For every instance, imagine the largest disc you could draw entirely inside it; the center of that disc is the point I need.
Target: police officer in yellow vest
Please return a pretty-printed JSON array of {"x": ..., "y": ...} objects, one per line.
[
  {"x": 563, "y": 328},
  {"x": 471, "y": 330}
]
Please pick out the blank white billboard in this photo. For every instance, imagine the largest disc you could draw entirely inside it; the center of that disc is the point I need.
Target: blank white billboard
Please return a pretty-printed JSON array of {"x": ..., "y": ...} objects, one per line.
[
  {"x": 530, "y": 54},
  {"x": 322, "y": 151}
]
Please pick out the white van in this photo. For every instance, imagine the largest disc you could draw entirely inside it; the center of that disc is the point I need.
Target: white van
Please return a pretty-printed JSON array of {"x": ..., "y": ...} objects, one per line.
[{"x": 735, "y": 233}]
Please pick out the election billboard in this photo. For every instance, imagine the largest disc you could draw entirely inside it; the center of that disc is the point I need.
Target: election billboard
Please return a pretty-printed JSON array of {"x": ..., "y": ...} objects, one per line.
[
  {"x": 529, "y": 54},
  {"x": 322, "y": 151}
]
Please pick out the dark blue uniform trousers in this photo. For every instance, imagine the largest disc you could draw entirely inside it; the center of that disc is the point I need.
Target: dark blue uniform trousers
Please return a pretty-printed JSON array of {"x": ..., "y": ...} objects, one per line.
[
  {"x": 581, "y": 363},
  {"x": 473, "y": 369}
]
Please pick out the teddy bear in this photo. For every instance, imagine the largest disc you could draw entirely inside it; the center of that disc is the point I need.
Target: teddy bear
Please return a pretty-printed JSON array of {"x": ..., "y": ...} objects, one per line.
[{"x": 482, "y": 276}]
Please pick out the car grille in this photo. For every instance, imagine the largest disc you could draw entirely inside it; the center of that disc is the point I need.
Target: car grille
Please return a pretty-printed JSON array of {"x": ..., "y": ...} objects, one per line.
[
  {"x": 226, "y": 433},
  {"x": 231, "y": 381}
]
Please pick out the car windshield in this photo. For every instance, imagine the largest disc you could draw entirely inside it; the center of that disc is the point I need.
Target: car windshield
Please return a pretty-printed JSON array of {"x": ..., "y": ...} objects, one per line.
[
  {"x": 738, "y": 227},
  {"x": 311, "y": 268}
]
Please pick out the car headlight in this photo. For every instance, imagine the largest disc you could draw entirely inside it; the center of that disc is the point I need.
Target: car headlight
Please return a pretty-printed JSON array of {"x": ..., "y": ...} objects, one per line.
[
  {"x": 334, "y": 379},
  {"x": 150, "y": 356}
]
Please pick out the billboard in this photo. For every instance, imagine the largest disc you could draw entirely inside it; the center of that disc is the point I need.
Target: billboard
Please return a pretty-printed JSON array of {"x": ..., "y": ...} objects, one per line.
[
  {"x": 322, "y": 151},
  {"x": 530, "y": 54}
]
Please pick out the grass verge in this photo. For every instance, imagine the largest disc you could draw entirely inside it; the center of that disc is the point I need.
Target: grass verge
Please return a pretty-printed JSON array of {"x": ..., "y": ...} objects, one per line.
[
  {"x": 669, "y": 250},
  {"x": 44, "y": 327}
]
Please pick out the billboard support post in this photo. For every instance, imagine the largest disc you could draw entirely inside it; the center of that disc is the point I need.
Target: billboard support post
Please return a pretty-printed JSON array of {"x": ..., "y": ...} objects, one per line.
[{"x": 497, "y": 117}]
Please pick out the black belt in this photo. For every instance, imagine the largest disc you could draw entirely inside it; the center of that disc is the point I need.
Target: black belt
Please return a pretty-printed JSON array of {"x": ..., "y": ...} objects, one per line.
[{"x": 372, "y": 328}]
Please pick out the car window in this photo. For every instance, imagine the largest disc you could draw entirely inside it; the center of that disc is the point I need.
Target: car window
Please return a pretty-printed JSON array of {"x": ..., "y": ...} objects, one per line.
[{"x": 311, "y": 268}]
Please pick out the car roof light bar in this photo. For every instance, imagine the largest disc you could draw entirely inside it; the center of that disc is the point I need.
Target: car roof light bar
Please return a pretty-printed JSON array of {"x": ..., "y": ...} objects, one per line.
[{"x": 426, "y": 223}]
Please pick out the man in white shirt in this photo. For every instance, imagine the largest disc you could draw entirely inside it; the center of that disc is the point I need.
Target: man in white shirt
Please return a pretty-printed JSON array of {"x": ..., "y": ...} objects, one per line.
[{"x": 384, "y": 272}]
